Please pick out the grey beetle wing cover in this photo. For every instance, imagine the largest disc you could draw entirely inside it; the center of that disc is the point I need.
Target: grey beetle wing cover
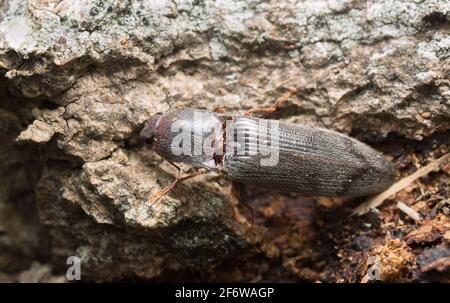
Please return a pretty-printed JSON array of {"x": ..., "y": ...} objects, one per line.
[{"x": 312, "y": 161}]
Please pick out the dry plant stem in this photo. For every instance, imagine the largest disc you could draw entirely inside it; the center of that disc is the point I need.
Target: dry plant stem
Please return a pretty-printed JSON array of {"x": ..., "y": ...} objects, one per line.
[
  {"x": 409, "y": 211},
  {"x": 400, "y": 185}
]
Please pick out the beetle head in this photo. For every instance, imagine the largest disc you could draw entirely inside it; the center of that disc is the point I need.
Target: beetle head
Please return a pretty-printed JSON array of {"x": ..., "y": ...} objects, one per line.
[{"x": 149, "y": 131}]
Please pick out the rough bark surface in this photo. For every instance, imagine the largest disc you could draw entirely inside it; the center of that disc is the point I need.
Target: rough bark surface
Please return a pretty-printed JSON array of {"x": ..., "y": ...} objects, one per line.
[{"x": 79, "y": 79}]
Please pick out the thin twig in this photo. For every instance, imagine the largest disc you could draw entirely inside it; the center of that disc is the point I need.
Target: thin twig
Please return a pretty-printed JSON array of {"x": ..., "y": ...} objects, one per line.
[
  {"x": 409, "y": 211},
  {"x": 400, "y": 185}
]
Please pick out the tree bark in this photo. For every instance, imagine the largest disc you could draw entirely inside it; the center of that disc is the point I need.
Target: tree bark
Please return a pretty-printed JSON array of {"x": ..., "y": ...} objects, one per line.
[{"x": 79, "y": 80}]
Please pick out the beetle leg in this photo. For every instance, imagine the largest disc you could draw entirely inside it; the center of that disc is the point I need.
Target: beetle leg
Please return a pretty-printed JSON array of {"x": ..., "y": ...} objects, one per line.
[
  {"x": 235, "y": 192},
  {"x": 177, "y": 167},
  {"x": 252, "y": 212},
  {"x": 278, "y": 102},
  {"x": 157, "y": 196}
]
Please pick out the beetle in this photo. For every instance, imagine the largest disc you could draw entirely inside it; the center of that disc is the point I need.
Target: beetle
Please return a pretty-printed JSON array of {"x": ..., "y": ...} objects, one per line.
[{"x": 309, "y": 160}]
